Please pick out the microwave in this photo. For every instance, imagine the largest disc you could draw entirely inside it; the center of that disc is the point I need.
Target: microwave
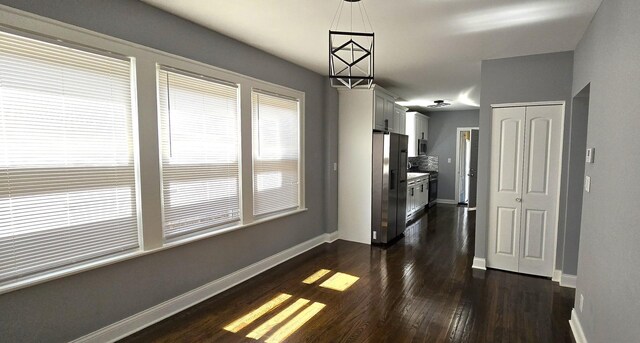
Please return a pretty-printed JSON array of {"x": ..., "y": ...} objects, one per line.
[{"x": 422, "y": 147}]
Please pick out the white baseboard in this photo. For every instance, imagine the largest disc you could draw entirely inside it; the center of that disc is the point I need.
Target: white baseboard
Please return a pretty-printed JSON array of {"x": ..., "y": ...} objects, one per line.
[
  {"x": 576, "y": 328},
  {"x": 333, "y": 236},
  {"x": 557, "y": 274},
  {"x": 479, "y": 263},
  {"x": 170, "y": 307},
  {"x": 446, "y": 201},
  {"x": 569, "y": 281}
]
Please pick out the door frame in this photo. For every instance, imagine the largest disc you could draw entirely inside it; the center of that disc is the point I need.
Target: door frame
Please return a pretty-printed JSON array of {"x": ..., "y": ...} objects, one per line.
[
  {"x": 457, "y": 183},
  {"x": 560, "y": 168}
]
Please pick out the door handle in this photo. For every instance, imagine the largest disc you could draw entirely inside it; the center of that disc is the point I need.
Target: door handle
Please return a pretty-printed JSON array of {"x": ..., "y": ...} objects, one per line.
[
  {"x": 393, "y": 180},
  {"x": 518, "y": 199}
]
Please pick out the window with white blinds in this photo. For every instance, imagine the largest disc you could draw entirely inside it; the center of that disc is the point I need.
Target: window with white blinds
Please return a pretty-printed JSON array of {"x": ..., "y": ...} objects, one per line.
[
  {"x": 200, "y": 152},
  {"x": 276, "y": 153},
  {"x": 67, "y": 179}
]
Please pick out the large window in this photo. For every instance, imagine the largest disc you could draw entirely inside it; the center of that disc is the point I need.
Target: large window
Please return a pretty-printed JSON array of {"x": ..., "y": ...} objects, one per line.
[
  {"x": 200, "y": 149},
  {"x": 110, "y": 150},
  {"x": 67, "y": 179},
  {"x": 276, "y": 153}
]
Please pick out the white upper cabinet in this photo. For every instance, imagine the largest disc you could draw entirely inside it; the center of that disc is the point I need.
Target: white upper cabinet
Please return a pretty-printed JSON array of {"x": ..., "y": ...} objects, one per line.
[
  {"x": 417, "y": 127},
  {"x": 422, "y": 127},
  {"x": 380, "y": 121},
  {"x": 399, "y": 119},
  {"x": 389, "y": 114},
  {"x": 379, "y": 106},
  {"x": 386, "y": 112}
]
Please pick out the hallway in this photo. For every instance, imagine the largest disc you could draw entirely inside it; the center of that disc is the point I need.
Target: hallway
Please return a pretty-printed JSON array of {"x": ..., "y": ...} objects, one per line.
[{"x": 420, "y": 289}]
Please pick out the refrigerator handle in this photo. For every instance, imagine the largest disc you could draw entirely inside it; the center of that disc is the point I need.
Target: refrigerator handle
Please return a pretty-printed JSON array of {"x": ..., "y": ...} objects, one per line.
[{"x": 392, "y": 174}]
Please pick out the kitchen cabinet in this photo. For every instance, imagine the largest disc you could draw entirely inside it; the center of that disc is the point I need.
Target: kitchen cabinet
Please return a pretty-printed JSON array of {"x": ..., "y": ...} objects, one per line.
[
  {"x": 387, "y": 115},
  {"x": 417, "y": 127},
  {"x": 417, "y": 194},
  {"x": 422, "y": 126},
  {"x": 412, "y": 197},
  {"x": 399, "y": 119}
]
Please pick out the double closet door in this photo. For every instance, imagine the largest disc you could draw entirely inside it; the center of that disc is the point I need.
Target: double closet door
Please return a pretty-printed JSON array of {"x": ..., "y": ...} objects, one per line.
[{"x": 526, "y": 150}]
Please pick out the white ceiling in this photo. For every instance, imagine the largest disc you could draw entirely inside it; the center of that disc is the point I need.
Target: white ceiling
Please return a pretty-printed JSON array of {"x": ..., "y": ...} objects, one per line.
[{"x": 425, "y": 49}]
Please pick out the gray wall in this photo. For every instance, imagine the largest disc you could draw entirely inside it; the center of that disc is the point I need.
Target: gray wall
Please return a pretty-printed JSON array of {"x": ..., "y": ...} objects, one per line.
[
  {"x": 573, "y": 218},
  {"x": 545, "y": 77},
  {"x": 608, "y": 58},
  {"x": 442, "y": 143},
  {"x": 70, "y": 307}
]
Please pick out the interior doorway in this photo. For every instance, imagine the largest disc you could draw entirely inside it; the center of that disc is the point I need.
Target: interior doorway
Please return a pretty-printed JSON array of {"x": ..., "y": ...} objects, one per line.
[{"x": 466, "y": 165}]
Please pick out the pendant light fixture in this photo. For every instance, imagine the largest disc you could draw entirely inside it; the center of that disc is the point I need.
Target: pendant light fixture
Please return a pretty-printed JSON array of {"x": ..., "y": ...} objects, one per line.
[{"x": 351, "y": 52}]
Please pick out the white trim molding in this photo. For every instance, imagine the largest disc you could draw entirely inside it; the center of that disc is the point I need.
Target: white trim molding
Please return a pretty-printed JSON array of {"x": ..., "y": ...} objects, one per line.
[
  {"x": 332, "y": 236},
  {"x": 557, "y": 274},
  {"x": 141, "y": 320},
  {"x": 459, "y": 130},
  {"x": 523, "y": 104},
  {"x": 446, "y": 201},
  {"x": 567, "y": 280},
  {"x": 576, "y": 328},
  {"x": 479, "y": 263}
]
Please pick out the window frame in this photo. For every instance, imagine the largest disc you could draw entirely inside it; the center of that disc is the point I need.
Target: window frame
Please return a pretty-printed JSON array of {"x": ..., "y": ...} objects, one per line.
[
  {"x": 132, "y": 165},
  {"x": 146, "y": 134},
  {"x": 219, "y": 80},
  {"x": 299, "y": 98}
]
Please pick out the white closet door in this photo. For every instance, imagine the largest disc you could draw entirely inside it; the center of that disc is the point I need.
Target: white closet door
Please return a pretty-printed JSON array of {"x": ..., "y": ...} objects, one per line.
[
  {"x": 507, "y": 151},
  {"x": 543, "y": 143}
]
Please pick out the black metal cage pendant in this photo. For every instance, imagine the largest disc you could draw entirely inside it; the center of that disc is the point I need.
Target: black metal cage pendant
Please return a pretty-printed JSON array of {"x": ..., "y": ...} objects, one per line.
[
  {"x": 351, "y": 59},
  {"x": 351, "y": 56}
]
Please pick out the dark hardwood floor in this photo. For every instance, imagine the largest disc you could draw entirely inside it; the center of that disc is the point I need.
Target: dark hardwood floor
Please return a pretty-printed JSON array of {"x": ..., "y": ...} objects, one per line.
[{"x": 421, "y": 289}]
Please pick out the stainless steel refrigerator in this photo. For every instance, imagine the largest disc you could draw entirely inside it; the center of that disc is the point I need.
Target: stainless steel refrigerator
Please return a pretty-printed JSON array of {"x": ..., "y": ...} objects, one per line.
[{"x": 389, "y": 193}]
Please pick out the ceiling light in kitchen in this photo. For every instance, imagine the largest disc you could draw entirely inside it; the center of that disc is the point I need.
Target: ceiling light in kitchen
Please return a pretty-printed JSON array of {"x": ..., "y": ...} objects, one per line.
[{"x": 439, "y": 104}]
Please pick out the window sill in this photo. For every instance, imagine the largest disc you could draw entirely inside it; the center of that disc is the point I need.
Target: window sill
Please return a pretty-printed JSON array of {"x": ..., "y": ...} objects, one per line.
[
  {"x": 207, "y": 234},
  {"x": 45, "y": 277}
]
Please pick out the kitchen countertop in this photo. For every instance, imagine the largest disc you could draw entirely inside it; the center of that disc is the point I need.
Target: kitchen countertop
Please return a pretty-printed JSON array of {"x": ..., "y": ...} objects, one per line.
[{"x": 411, "y": 176}]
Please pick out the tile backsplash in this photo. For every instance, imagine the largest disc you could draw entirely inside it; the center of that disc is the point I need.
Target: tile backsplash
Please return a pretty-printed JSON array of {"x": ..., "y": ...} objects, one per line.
[{"x": 424, "y": 163}]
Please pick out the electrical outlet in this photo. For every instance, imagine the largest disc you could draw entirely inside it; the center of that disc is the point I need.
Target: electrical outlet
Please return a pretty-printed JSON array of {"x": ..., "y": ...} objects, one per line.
[
  {"x": 581, "y": 302},
  {"x": 587, "y": 183},
  {"x": 335, "y": 166},
  {"x": 449, "y": 160},
  {"x": 375, "y": 235}
]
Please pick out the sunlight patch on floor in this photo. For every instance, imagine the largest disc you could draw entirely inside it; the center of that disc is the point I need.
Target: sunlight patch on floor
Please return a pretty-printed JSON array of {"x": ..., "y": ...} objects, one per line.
[
  {"x": 316, "y": 276},
  {"x": 340, "y": 282},
  {"x": 277, "y": 319},
  {"x": 294, "y": 324},
  {"x": 250, "y": 317}
]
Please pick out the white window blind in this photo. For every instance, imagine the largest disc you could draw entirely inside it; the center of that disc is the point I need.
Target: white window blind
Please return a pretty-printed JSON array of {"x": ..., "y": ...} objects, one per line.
[
  {"x": 200, "y": 152},
  {"x": 67, "y": 180},
  {"x": 276, "y": 153}
]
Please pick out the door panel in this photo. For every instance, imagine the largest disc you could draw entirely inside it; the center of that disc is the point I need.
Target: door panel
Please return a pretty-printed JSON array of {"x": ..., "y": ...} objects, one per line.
[
  {"x": 534, "y": 234},
  {"x": 506, "y": 226},
  {"x": 541, "y": 184},
  {"x": 505, "y": 187},
  {"x": 510, "y": 152},
  {"x": 539, "y": 146}
]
